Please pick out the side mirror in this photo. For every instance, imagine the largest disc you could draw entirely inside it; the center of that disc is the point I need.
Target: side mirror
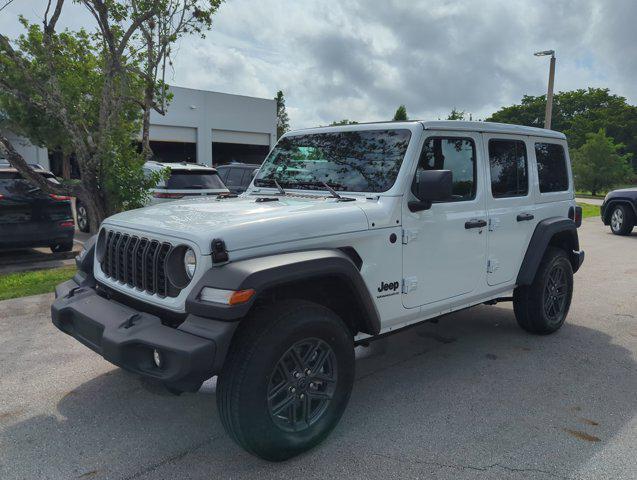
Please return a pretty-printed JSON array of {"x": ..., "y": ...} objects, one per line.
[{"x": 431, "y": 186}]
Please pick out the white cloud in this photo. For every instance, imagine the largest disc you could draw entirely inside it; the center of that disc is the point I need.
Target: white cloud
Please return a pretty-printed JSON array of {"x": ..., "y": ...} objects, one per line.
[{"x": 361, "y": 59}]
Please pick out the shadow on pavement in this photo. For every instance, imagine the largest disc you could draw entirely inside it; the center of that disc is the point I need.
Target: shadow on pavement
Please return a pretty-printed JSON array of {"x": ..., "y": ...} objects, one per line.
[{"x": 471, "y": 394}]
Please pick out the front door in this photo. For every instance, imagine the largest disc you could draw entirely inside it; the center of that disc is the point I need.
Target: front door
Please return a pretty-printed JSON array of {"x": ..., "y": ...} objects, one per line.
[
  {"x": 510, "y": 206},
  {"x": 444, "y": 248}
]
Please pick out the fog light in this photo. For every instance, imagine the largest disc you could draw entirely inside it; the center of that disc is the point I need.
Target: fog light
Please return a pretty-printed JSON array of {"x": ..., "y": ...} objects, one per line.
[{"x": 157, "y": 358}]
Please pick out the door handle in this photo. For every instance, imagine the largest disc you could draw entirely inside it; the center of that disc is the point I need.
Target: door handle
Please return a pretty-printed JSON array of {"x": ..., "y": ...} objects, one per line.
[
  {"x": 525, "y": 217},
  {"x": 475, "y": 224}
]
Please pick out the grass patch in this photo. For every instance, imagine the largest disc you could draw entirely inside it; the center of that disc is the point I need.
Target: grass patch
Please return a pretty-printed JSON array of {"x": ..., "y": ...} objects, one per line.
[
  {"x": 22, "y": 284},
  {"x": 589, "y": 210}
]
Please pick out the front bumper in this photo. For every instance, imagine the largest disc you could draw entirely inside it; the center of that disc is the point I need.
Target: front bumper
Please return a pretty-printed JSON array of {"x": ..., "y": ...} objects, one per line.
[{"x": 190, "y": 353}]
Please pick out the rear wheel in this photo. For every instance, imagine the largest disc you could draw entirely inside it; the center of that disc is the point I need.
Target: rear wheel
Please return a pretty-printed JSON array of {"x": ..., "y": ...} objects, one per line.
[
  {"x": 83, "y": 223},
  {"x": 287, "y": 379},
  {"x": 622, "y": 220},
  {"x": 542, "y": 306},
  {"x": 62, "y": 247}
]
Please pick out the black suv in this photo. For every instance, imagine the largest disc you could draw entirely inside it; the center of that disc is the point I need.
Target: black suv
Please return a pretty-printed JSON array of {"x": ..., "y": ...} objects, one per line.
[
  {"x": 619, "y": 210},
  {"x": 237, "y": 176},
  {"x": 30, "y": 217}
]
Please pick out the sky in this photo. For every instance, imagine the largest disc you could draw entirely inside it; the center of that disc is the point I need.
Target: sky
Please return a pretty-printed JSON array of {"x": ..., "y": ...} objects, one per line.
[{"x": 361, "y": 59}]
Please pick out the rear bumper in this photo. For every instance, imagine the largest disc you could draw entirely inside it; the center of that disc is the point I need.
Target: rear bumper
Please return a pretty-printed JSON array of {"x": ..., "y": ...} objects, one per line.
[
  {"x": 190, "y": 353},
  {"x": 43, "y": 237}
]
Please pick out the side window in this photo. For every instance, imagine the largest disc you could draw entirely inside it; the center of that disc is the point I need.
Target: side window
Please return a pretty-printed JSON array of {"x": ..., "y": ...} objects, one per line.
[
  {"x": 551, "y": 167},
  {"x": 455, "y": 154},
  {"x": 223, "y": 174},
  {"x": 247, "y": 177},
  {"x": 234, "y": 177},
  {"x": 509, "y": 168}
]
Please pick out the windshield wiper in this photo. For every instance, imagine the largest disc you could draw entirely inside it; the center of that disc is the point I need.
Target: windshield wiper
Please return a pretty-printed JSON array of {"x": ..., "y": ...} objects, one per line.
[
  {"x": 278, "y": 187},
  {"x": 265, "y": 182},
  {"x": 333, "y": 193}
]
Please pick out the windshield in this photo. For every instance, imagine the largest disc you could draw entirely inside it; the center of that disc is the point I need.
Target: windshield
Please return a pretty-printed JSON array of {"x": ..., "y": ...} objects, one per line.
[
  {"x": 358, "y": 161},
  {"x": 193, "y": 179}
]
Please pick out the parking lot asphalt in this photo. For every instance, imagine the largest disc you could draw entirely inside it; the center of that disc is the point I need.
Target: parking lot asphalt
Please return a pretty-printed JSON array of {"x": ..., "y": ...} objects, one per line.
[{"x": 471, "y": 397}]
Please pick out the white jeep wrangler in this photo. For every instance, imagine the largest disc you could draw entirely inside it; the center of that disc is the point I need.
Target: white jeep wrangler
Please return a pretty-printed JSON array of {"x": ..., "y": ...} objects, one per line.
[{"x": 346, "y": 233}]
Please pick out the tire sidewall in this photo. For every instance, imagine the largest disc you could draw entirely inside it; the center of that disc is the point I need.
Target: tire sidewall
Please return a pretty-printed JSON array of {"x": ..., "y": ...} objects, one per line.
[
  {"x": 258, "y": 427},
  {"x": 546, "y": 324}
]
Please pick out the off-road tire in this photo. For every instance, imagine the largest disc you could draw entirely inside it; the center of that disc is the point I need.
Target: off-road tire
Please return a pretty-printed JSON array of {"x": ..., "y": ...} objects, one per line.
[
  {"x": 622, "y": 220},
  {"x": 263, "y": 339},
  {"x": 61, "y": 247},
  {"x": 529, "y": 302}
]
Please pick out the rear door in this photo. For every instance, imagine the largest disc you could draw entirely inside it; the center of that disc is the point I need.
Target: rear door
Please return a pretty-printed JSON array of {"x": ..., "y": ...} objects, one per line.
[{"x": 510, "y": 205}]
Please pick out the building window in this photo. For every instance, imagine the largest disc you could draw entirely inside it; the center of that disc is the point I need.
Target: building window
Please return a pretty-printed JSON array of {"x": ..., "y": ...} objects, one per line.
[
  {"x": 551, "y": 167},
  {"x": 455, "y": 154},
  {"x": 509, "y": 168}
]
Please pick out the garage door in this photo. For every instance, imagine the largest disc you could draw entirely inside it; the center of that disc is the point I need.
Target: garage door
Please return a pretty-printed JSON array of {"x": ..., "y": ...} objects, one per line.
[
  {"x": 246, "y": 138},
  {"x": 167, "y": 133}
]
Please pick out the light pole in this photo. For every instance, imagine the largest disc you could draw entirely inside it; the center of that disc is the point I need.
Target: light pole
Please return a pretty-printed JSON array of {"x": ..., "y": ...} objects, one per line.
[{"x": 549, "y": 93}]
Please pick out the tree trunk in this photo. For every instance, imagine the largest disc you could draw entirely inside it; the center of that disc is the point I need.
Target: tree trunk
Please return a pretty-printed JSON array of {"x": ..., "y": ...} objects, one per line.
[{"x": 66, "y": 166}]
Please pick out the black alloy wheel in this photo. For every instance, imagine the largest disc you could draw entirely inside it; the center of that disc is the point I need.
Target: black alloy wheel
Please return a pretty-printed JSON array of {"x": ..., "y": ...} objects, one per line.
[{"x": 302, "y": 385}]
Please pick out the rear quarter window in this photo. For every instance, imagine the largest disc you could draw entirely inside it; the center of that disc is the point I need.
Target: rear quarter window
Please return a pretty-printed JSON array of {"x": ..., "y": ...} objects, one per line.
[{"x": 551, "y": 167}]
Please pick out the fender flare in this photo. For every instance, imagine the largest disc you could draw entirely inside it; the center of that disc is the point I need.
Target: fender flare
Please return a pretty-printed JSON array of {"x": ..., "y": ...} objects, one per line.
[
  {"x": 541, "y": 239},
  {"x": 263, "y": 273}
]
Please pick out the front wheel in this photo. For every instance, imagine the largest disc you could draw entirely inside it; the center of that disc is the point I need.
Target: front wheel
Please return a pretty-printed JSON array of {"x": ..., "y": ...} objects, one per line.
[
  {"x": 287, "y": 379},
  {"x": 622, "y": 220},
  {"x": 542, "y": 307}
]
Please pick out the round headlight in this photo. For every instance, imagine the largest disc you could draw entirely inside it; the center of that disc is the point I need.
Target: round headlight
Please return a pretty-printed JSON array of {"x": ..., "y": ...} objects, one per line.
[{"x": 190, "y": 262}]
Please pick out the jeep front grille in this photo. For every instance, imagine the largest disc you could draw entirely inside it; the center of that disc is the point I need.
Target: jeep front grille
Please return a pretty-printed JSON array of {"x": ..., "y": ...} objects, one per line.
[{"x": 137, "y": 262}]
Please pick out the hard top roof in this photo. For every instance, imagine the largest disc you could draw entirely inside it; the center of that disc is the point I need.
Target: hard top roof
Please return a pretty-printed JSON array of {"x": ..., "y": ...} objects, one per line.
[{"x": 457, "y": 125}]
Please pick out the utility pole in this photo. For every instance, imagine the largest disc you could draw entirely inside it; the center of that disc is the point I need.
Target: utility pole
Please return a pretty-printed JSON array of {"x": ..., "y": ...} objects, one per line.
[{"x": 549, "y": 94}]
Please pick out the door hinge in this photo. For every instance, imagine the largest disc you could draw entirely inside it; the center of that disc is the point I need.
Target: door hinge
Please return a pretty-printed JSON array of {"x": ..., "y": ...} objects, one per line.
[
  {"x": 410, "y": 284},
  {"x": 493, "y": 223},
  {"x": 492, "y": 265},
  {"x": 409, "y": 235}
]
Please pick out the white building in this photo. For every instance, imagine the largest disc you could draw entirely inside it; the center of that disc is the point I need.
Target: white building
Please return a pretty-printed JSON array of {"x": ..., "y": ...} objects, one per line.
[
  {"x": 214, "y": 128},
  {"x": 200, "y": 126}
]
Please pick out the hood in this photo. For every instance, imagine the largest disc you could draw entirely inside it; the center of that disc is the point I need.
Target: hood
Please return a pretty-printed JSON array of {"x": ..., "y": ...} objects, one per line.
[{"x": 243, "y": 222}]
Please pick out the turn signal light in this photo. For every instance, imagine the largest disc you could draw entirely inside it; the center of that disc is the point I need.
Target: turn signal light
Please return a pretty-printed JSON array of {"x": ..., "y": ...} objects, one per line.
[{"x": 226, "y": 297}]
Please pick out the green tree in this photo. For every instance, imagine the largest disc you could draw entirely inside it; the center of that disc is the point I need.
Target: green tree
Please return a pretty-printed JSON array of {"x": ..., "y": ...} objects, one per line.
[
  {"x": 345, "y": 121},
  {"x": 598, "y": 165},
  {"x": 86, "y": 92},
  {"x": 456, "y": 114},
  {"x": 401, "y": 114},
  {"x": 577, "y": 113},
  {"x": 282, "y": 119}
]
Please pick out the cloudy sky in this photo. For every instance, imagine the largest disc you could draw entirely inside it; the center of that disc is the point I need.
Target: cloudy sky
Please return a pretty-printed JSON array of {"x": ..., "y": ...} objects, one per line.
[{"x": 360, "y": 59}]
